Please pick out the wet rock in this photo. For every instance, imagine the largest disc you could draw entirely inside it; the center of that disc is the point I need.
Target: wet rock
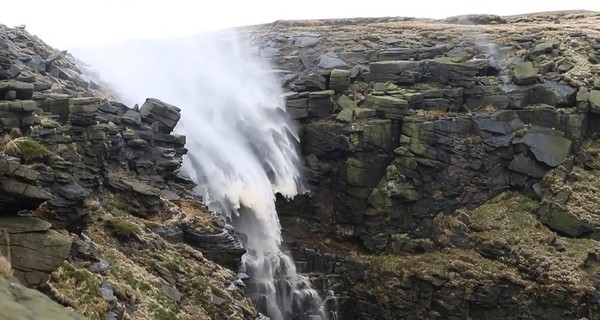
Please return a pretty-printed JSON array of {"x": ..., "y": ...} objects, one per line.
[{"x": 223, "y": 247}]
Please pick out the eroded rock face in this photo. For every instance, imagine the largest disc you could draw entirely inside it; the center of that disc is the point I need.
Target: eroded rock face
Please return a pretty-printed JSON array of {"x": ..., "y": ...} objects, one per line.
[
  {"x": 433, "y": 124},
  {"x": 96, "y": 210}
]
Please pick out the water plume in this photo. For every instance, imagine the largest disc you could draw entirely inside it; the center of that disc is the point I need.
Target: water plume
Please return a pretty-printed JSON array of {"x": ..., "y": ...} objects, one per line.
[{"x": 241, "y": 145}]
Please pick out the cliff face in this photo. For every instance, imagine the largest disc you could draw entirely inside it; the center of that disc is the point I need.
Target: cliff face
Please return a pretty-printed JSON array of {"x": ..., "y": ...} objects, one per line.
[
  {"x": 98, "y": 215},
  {"x": 452, "y": 165},
  {"x": 450, "y": 162}
]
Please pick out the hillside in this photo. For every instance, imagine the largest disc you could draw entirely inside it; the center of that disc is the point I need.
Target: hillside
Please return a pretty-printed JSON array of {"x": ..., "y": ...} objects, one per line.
[{"x": 452, "y": 165}]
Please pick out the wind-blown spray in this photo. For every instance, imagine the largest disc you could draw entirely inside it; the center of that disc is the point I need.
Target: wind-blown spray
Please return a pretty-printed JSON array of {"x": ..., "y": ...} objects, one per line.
[{"x": 241, "y": 145}]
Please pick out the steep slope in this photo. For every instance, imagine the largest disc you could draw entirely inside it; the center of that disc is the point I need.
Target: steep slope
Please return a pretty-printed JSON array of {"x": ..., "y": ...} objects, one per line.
[{"x": 98, "y": 215}]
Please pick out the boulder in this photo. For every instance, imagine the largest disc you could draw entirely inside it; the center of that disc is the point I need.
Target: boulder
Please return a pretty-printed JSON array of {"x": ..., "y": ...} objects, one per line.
[
  {"x": 20, "y": 303},
  {"x": 320, "y": 103},
  {"x": 18, "y": 188},
  {"x": 455, "y": 72},
  {"x": 167, "y": 116},
  {"x": 330, "y": 60},
  {"x": 594, "y": 100},
  {"x": 339, "y": 80},
  {"x": 36, "y": 251},
  {"x": 524, "y": 73},
  {"x": 22, "y": 90},
  {"x": 387, "y": 106},
  {"x": 547, "y": 147},
  {"x": 222, "y": 247}
]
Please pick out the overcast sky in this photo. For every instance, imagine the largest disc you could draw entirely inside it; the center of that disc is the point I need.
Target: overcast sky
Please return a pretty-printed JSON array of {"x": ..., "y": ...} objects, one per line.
[{"x": 73, "y": 23}]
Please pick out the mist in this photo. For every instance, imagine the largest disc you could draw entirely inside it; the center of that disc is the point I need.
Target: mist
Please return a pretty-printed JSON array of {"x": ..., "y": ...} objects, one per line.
[{"x": 242, "y": 146}]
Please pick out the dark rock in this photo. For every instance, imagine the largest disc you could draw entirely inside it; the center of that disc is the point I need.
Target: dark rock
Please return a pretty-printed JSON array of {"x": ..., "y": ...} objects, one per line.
[
  {"x": 154, "y": 110},
  {"x": 454, "y": 72},
  {"x": 420, "y": 53},
  {"x": 548, "y": 148},
  {"x": 528, "y": 166},
  {"x": 320, "y": 103},
  {"x": 223, "y": 247},
  {"x": 330, "y": 60}
]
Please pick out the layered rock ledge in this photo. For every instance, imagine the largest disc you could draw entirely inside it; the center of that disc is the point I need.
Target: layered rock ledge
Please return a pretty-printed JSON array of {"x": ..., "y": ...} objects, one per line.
[{"x": 435, "y": 150}]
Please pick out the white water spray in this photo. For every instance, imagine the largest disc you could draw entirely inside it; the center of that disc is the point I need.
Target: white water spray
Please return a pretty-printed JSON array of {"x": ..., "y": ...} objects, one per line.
[{"x": 241, "y": 145}]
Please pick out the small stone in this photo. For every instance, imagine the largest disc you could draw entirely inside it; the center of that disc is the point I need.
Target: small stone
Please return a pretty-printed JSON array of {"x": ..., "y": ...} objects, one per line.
[
  {"x": 597, "y": 82},
  {"x": 100, "y": 266},
  {"x": 107, "y": 292},
  {"x": 172, "y": 293}
]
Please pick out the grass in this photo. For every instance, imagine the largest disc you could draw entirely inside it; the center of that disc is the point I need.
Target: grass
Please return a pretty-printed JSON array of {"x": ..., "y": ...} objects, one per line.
[
  {"x": 79, "y": 289},
  {"x": 5, "y": 265},
  {"x": 509, "y": 223},
  {"x": 26, "y": 148},
  {"x": 122, "y": 227}
]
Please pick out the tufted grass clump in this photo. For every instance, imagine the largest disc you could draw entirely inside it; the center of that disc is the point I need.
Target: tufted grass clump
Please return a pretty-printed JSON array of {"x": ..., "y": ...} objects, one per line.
[
  {"x": 5, "y": 265},
  {"x": 123, "y": 227},
  {"x": 26, "y": 148}
]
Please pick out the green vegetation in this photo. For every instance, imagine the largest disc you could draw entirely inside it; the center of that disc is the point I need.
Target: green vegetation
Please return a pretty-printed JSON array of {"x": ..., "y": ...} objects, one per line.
[
  {"x": 123, "y": 227},
  {"x": 26, "y": 148},
  {"x": 80, "y": 289}
]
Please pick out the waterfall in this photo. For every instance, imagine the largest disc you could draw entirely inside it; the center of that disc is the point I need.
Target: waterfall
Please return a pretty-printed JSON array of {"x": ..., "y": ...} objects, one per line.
[{"x": 241, "y": 146}]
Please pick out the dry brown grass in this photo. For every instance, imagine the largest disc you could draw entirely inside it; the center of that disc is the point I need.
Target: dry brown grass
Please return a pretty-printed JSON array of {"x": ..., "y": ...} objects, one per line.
[{"x": 5, "y": 265}]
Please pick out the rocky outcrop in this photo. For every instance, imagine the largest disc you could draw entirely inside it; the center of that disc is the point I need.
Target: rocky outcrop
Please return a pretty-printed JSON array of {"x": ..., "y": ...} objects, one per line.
[
  {"x": 21, "y": 303},
  {"x": 97, "y": 212},
  {"x": 433, "y": 125},
  {"x": 36, "y": 251}
]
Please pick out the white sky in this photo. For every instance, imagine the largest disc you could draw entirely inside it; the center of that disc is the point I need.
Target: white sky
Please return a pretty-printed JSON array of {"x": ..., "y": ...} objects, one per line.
[{"x": 73, "y": 23}]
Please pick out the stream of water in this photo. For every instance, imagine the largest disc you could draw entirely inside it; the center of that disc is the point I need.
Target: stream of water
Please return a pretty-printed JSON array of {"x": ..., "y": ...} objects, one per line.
[{"x": 241, "y": 147}]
